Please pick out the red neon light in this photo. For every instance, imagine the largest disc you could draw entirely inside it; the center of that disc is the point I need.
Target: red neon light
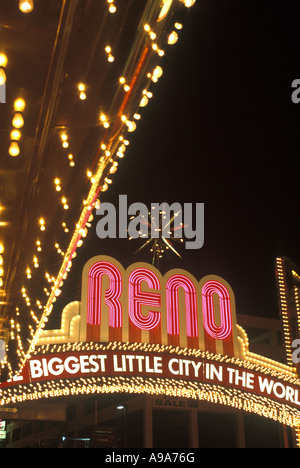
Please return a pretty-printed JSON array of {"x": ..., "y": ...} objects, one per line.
[
  {"x": 111, "y": 295},
  {"x": 138, "y": 298},
  {"x": 222, "y": 331},
  {"x": 172, "y": 287}
]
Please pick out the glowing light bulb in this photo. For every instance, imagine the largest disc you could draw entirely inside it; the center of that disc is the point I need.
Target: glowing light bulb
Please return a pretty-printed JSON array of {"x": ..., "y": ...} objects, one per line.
[
  {"x": 2, "y": 76},
  {"x": 15, "y": 135},
  {"x": 18, "y": 120},
  {"x": 14, "y": 149},
  {"x": 112, "y": 9},
  {"x": 158, "y": 72},
  {"x": 19, "y": 105},
  {"x": 173, "y": 38},
  {"x": 3, "y": 60},
  {"x": 26, "y": 6},
  {"x": 189, "y": 3}
]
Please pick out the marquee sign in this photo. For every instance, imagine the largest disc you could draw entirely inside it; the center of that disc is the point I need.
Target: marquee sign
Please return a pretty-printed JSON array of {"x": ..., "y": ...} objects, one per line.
[{"x": 138, "y": 331}]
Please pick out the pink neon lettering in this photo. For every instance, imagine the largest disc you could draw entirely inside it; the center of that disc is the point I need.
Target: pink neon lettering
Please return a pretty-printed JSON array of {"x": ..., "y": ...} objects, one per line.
[
  {"x": 172, "y": 287},
  {"x": 138, "y": 298},
  {"x": 222, "y": 331},
  {"x": 111, "y": 295}
]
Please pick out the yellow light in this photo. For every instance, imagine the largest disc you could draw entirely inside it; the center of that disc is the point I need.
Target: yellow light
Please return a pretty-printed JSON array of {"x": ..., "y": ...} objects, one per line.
[
  {"x": 26, "y": 6},
  {"x": 158, "y": 72},
  {"x": 189, "y": 3},
  {"x": 64, "y": 137},
  {"x": 122, "y": 80},
  {"x": 144, "y": 101},
  {"x": 108, "y": 49},
  {"x": 81, "y": 87},
  {"x": 15, "y": 135},
  {"x": 19, "y": 105},
  {"x": 173, "y": 38},
  {"x": 3, "y": 60},
  {"x": 14, "y": 149},
  {"x": 1, "y": 248},
  {"x": 112, "y": 9},
  {"x": 1, "y": 271},
  {"x": 178, "y": 26},
  {"x": 18, "y": 120},
  {"x": 2, "y": 76},
  {"x": 103, "y": 117},
  {"x": 82, "y": 96}
]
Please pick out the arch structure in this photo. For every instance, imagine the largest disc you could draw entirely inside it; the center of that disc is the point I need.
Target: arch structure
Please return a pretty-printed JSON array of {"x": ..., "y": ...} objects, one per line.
[{"x": 138, "y": 331}]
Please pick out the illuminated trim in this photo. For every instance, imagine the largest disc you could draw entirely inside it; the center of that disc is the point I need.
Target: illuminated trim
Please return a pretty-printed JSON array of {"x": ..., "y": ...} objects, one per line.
[
  {"x": 222, "y": 331},
  {"x": 283, "y": 306},
  {"x": 214, "y": 393},
  {"x": 172, "y": 287},
  {"x": 138, "y": 298},
  {"x": 111, "y": 295}
]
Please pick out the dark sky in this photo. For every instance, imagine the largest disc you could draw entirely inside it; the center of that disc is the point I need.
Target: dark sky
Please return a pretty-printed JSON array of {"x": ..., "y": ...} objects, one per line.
[{"x": 222, "y": 130}]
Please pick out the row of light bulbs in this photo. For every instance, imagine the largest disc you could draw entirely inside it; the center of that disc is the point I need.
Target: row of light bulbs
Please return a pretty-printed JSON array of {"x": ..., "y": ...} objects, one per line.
[
  {"x": 105, "y": 121},
  {"x": 18, "y": 119},
  {"x": 146, "y": 95},
  {"x": 18, "y": 123}
]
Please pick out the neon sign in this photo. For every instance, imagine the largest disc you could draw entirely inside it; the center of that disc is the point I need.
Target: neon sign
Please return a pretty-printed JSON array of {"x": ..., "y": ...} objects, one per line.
[
  {"x": 139, "y": 304},
  {"x": 136, "y": 330}
]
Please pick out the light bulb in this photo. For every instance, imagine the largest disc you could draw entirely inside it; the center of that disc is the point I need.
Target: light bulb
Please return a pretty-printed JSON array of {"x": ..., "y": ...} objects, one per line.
[
  {"x": 2, "y": 76},
  {"x": 19, "y": 105},
  {"x": 26, "y": 6},
  {"x": 14, "y": 149},
  {"x": 189, "y": 3},
  {"x": 18, "y": 120},
  {"x": 158, "y": 72},
  {"x": 173, "y": 38},
  {"x": 3, "y": 60},
  {"x": 15, "y": 135}
]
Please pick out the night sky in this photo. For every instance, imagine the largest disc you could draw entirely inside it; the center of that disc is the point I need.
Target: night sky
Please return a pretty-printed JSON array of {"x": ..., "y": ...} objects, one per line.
[{"x": 221, "y": 129}]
